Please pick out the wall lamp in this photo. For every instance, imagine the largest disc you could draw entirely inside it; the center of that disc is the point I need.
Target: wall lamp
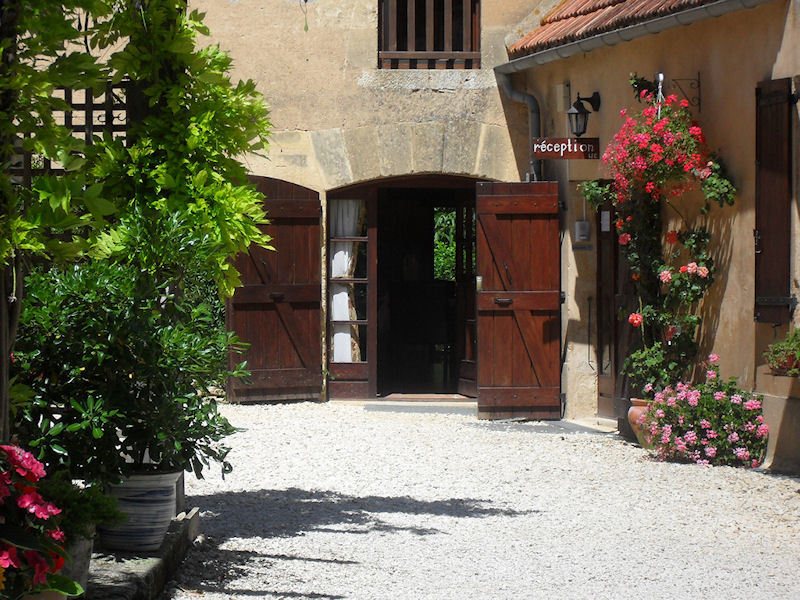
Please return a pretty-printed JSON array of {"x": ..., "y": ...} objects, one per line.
[{"x": 578, "y": 115}]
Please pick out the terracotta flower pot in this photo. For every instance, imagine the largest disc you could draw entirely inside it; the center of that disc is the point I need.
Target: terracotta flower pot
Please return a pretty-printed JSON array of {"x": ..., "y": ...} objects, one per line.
[{"x": 637, "y": 409}]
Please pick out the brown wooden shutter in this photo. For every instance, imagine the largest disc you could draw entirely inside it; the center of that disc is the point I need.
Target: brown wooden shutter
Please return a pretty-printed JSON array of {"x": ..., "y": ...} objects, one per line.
[{"x": 773, "y": 303}]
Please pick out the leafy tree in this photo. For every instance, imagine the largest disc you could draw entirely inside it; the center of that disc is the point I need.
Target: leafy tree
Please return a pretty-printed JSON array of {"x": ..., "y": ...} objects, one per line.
[
  {"x": 444, "y": 244},
  {"x": 40, "y": 52},
  {"x": 180, "y": 203}
]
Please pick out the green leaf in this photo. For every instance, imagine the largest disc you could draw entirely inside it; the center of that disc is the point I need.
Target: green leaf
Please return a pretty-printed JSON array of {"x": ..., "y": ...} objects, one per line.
[
  {"x": 100, "y": 207},
  {"x": 73, "y": 163},
  {"x": 62, "y": 584},
  {"x": 59, "y": 449}
]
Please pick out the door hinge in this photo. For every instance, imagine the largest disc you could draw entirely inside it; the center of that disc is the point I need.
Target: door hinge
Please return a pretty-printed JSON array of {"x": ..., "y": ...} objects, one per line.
[
  {"x": 790, "y": 301},
  {"x": 563, "y": 297},
  {"x": 757, "y": 239}
]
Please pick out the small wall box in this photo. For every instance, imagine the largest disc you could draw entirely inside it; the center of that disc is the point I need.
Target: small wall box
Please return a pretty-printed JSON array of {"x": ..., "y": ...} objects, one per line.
[{"x": 582, "y": 231}]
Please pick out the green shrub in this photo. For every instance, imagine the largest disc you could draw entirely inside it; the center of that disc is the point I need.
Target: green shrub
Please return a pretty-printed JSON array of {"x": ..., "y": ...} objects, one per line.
[{"x": 120, "y": 367}]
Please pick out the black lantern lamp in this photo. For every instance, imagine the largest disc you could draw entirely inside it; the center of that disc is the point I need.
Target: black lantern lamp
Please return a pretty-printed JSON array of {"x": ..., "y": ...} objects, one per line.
[{"x": 578, "y": 115}]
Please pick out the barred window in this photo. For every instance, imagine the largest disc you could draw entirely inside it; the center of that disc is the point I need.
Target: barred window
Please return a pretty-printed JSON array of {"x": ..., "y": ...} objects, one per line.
[{"x": 429, "y": 34}]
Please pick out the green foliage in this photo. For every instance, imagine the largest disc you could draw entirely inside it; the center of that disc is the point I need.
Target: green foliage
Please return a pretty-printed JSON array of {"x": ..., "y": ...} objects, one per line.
[
  {"x": 596, "y": 194},
  {"x": 783, "y": 356},
  {"x": 40, "y": 54},
  {"x": 83, "y": 507},
  {"x": 119, "y": 370},
  {"x": 716, "y": 186},
  {"x": 444, "y": 244},
  {"x": 186, "y": 207},
  {"x": 642, "y": 86}
]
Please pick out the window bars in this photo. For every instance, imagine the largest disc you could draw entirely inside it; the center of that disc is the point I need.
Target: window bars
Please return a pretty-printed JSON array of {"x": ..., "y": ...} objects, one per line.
[{"x": 429, "y": 34}]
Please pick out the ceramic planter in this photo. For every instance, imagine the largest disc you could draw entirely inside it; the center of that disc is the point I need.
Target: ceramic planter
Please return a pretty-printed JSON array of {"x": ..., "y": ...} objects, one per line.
[
  {"x": 638, "y": 406},
  {"x": 80, "y": 554},
  {"x": 148, "y": 502}
]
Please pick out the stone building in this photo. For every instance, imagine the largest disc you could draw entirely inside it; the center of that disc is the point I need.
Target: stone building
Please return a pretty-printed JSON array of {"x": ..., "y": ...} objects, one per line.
[{"x": 387, "y": 117}]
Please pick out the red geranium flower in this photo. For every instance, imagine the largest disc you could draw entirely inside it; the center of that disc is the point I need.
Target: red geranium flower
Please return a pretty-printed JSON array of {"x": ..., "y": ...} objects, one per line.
[{"x": 635, "y": 319}]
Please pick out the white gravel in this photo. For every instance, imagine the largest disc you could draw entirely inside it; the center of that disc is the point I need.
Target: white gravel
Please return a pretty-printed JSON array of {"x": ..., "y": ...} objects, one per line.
[{"x": 331, "y": 501}]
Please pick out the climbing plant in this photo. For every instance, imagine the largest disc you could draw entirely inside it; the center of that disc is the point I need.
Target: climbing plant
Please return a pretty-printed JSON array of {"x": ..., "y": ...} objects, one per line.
[
  {"x": 658, "y": 156},
  {"x": 185, "y": 206}
]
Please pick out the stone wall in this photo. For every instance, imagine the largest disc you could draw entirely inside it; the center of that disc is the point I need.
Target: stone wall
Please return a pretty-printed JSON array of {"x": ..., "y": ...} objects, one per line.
[{"x": 340, "y": 120}]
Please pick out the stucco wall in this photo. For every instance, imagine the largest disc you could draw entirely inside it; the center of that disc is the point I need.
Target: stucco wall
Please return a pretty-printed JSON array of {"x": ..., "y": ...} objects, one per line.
[
  {"x": 731, "y": 54},
  {"x": 339, "y": 119}
]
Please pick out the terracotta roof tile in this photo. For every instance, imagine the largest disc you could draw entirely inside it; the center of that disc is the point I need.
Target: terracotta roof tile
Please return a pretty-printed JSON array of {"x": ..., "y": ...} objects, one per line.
[{"x": 574, "y": 20}]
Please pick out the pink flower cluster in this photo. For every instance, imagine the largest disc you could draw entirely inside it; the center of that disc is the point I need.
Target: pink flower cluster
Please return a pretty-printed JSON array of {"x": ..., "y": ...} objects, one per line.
[
  {"x": 635, "y": 319},
  {"x": 22, "y": 505},
  {"x": 693, "y": 268},
  {"x": 682, "y": 423}
]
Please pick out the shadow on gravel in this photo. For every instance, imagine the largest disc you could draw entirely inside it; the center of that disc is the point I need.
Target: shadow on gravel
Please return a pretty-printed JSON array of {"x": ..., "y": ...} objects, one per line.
[
  {"x": 548, "y": 427},
  {"x": 209, "y": 569},
  {"x": 293, "y": 512},
  {"x": 287, "y": 513}
]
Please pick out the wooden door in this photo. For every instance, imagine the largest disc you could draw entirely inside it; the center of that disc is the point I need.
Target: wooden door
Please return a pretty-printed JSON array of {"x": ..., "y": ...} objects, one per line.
[
  {"x": 277, "y": 309},
  {"x": 616, "y": 295},
  {"x": 518, "y": 301}
]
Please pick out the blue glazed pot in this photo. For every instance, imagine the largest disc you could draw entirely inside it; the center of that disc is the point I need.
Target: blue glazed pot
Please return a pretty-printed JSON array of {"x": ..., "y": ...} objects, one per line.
[{"x": 148, "y": 502}]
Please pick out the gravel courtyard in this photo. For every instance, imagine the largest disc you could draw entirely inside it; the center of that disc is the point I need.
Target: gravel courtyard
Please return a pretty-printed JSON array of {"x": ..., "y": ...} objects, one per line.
[{"x": 331, "y": 501}]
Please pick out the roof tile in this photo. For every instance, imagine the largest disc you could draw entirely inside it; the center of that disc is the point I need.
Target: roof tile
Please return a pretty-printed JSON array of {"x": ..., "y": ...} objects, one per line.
[{"x": 574, "y": 20}]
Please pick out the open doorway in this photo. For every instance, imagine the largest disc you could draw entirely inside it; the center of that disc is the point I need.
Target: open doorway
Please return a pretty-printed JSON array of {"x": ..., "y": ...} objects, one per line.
[
  {"x": 422, "y": 304},
  {"x": 401, "y": 288}
]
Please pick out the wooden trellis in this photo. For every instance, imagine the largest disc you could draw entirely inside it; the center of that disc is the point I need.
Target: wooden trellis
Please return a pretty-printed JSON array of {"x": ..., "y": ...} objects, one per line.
[{"x": 88, "y": 115}]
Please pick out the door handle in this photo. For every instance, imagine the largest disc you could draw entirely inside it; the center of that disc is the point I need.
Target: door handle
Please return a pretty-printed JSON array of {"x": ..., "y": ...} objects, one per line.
[
  {"x": 276, "y": 296},
  {"x": 504, "y": 301}
]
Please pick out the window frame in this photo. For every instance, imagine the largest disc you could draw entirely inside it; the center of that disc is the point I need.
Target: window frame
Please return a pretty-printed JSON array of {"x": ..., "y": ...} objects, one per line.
[{"x": 401, "y": 29}]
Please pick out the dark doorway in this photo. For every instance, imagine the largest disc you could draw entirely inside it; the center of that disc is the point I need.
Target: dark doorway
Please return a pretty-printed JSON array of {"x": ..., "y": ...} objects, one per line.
[{"x": 422, "y": 299}]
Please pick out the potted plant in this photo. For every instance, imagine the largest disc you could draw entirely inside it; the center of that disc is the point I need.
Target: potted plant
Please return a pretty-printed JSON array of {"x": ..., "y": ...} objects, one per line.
[
  {"x": 783, "y": 357},
  {"x": 715, "y": 422},
  {"x": 83, "y": 509},
  {"x": 120, "y": 373},
  {"x": 31, "y": 541}
]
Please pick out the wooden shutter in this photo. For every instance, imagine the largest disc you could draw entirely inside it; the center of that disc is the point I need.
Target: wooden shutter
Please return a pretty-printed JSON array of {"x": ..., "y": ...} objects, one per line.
[
  {"x": 518, "y": 301},
  {"x": 773, "y": 303},
  {"x": 277, "y": 309}
]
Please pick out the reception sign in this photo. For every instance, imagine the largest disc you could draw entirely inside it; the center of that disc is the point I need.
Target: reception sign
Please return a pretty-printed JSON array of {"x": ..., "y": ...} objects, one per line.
[{"x": 566, "y": 148}]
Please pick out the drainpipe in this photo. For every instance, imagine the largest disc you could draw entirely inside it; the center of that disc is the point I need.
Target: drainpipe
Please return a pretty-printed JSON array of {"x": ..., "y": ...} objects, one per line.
[{"x": 534, "y": 118}]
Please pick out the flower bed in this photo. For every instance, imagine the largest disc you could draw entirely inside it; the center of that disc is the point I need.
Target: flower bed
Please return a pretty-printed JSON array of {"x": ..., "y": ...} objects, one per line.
[{"x": 714, "y": 422}]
